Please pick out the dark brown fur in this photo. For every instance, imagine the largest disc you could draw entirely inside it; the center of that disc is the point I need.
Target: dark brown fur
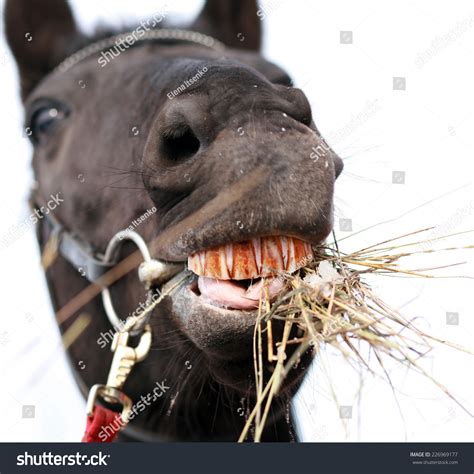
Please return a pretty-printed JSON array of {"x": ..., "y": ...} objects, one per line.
[{"x": 252, "y": 175}]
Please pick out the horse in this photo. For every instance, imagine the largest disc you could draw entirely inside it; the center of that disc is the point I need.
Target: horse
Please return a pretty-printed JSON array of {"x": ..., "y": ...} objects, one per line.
[{"x": 192, "y": 140}]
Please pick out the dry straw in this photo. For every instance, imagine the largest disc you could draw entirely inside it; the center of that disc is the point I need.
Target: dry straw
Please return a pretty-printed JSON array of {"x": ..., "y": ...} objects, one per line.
[{"x": 331, "y": 304}]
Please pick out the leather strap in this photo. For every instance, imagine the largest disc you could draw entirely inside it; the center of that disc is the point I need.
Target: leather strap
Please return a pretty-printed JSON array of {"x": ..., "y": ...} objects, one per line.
[{"x": 75, "y": 250}]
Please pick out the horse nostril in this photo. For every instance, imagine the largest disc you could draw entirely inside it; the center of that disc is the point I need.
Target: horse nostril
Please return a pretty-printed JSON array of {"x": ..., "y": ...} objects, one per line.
[
  {"x": 297, "y": 105},
  {"x": 179, "y": 143}
]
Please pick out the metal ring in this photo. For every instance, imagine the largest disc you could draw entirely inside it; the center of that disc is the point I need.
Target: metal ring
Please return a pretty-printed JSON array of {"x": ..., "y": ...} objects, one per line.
[
  {"x": 118, "y": 238},
  {"x": 111, "y": 254}
]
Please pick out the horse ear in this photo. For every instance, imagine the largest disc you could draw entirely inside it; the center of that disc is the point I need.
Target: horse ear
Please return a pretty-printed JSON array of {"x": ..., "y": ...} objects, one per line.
[
  {"x": 38, "y": 33},
  {"x": 234, "y": 22}
]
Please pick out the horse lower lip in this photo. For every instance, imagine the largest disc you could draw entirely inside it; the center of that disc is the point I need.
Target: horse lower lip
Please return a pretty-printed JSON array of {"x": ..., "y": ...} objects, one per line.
[{"x": 228, "y": 294}]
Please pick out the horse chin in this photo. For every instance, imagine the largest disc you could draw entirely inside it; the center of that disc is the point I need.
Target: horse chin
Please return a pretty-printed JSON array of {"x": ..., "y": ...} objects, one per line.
[
  {"x": 219, "y": 307},
  {"x": 226, "y": 337},
  {"x": 225, "y": 333}
]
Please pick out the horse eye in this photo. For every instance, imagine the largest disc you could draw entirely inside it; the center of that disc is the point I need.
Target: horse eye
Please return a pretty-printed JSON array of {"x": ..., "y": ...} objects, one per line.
[{"x": 43, "y": 122}]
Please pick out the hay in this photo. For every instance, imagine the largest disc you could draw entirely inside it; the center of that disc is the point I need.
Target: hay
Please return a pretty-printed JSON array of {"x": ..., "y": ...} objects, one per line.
[{"x": 331, "y": 304}]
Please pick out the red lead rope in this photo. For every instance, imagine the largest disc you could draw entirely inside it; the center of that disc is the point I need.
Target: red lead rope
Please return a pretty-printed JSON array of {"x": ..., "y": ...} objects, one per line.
[{"x": 102, "y": 426}]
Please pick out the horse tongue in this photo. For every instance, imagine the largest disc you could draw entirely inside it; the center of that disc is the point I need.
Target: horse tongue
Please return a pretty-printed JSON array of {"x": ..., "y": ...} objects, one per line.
[{"x": 228, "y": 294}]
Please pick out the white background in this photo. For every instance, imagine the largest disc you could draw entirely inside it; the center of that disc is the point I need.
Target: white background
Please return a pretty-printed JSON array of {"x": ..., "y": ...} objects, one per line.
[{"x": 424, "y": 131}]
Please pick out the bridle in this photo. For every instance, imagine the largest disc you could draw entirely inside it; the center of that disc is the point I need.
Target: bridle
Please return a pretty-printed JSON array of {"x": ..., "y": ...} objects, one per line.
[
  {"x": 162, "y": 35},
  {"x": 93, "y": 265}
]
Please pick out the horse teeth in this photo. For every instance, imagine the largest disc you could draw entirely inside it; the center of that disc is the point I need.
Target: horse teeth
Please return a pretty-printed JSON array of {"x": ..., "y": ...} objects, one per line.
[
  {"x": 254, "y": 258},
  {"x": 272, "y": 258},
  {"x": 257, "y": 251}
]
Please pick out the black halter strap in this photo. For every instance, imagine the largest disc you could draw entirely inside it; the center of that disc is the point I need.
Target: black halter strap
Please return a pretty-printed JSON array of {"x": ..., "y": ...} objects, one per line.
[{"x": 76, "y": 251}]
